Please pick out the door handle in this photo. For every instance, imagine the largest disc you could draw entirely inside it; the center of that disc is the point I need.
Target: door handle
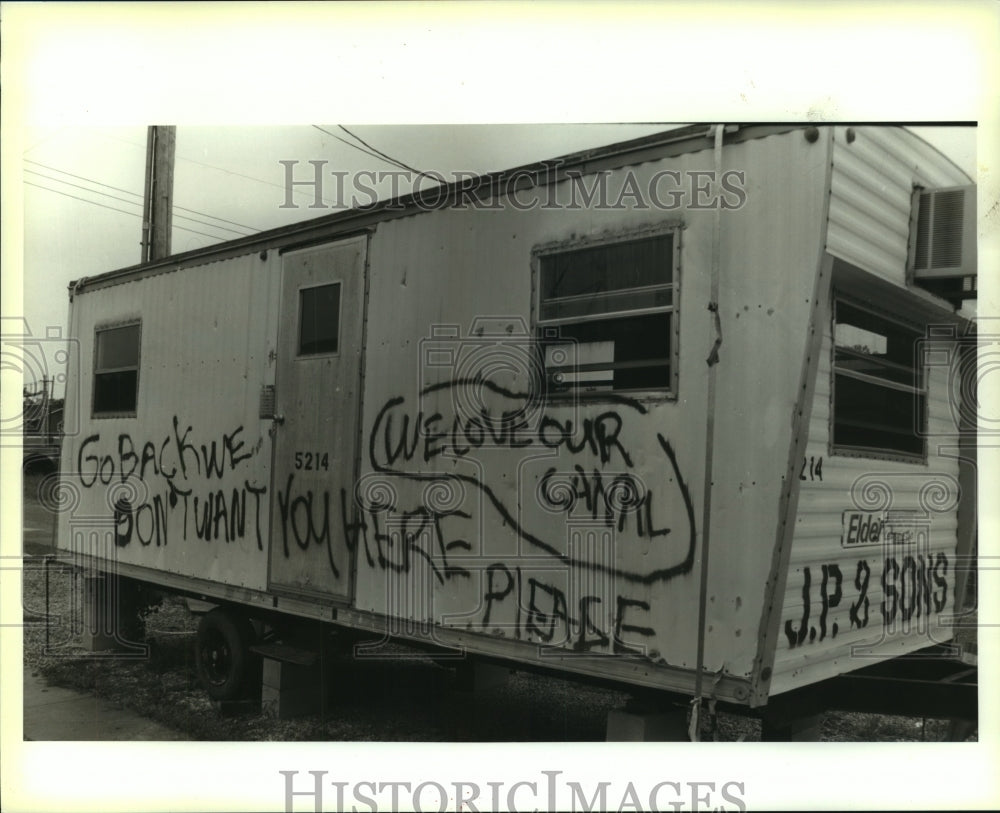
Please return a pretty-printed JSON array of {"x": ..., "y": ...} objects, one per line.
[{"x": 276, "y": 421}]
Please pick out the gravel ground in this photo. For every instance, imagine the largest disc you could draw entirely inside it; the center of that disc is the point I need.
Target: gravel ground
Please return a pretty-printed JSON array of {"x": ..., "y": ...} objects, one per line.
[
  {"x": 402, "y": 696},
  {"x": 406, "y": 697}
]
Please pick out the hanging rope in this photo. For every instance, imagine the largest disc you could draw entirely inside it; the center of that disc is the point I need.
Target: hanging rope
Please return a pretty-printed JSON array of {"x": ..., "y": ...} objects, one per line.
[{"x": 713, "y": 355}]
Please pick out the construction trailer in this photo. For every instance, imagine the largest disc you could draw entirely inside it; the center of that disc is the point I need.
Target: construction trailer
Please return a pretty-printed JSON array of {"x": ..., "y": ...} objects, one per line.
[{"x": 686, "y": 414}]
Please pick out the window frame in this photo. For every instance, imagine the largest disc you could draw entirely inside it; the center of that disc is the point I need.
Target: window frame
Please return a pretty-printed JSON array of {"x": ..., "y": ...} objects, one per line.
[
  {"x": 540, "y": 252},
  {"x": 920, "y": 373},
  {"x": 299, "y": 355},
  {"x": 96, "y": 371}
]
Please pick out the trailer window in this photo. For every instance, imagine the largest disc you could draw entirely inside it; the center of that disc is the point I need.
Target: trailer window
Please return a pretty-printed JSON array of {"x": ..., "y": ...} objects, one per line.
[
  {"x": 319, "y": 319},
  {"x": 116, "y": 370},
  {"x": 606, "y": 315},
  {"x": 879, "y": 399}
]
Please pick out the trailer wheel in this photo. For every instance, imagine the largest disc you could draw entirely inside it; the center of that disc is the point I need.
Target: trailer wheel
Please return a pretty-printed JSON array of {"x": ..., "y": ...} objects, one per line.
[{"x": 223, "y": 658}]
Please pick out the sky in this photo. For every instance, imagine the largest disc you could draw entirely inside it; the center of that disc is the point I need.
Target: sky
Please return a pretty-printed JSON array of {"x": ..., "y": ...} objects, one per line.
[{"x": 83, "y": 186}]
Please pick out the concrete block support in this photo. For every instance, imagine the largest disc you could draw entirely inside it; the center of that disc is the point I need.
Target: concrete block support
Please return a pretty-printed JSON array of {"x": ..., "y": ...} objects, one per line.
[
  {"x": 638, "y": 725},
  {"x": 473, "y": 675},
  {"x": 111, "y": 614},
  {"x": 798, "y": 729},
  {"x": 290, "y": 689},
  {"x": 98, "y": 618}
]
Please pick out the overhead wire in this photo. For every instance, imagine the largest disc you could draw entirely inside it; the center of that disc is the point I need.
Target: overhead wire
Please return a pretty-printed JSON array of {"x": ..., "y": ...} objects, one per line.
[
  {"x": 115, "y": 209},
  {"x": 372, "y": 151},
  {"x": 218, "y": 169},
  {"x": 379, "y": 152},
  {"x": 136, "y": 203},
  {"x": 420, "y": 173},
  {"x": 361, "y": 149},
  {"x": 135, "y": 194},
  {"x": 79, "y": 177}
]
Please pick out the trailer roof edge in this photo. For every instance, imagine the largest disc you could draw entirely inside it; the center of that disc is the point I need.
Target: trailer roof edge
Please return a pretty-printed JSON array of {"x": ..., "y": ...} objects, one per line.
[
  {"x": 678, "y": 141},
  {"x": 665, "y": 144}
]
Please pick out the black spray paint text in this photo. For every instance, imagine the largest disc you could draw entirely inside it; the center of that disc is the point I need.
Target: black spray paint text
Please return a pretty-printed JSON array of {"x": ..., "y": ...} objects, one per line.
[
  {"x": 913, "y": 586},
  {"x": 194, "y": 494},
  {"x": 399, "y": 436},
  {"x": 542, "y": 614}
]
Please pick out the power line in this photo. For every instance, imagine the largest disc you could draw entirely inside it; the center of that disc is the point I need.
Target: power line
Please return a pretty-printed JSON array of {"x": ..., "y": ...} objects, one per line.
[
  {"x": 220, "y": 169},
  {"x": 85, "y": 200},
  {"x": 132, "y": 202},
  {"x": 123, "y": 211},
  {"x": 129, "y": 192},
  {"x": 85, "y": 188},
  {"x": 372, "y": 153},
  {"x": 359, "y": 149},
  {"x": 251, "y": 229},
  {"x": 80, "y": 177},
  {"x": 387, "y": 157}
]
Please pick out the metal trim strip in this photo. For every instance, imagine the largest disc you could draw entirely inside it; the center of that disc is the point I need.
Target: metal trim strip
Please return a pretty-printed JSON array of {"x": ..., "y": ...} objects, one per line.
[
  {"x": 776, "y": 585},
  {"x": 642, "y": 673}
]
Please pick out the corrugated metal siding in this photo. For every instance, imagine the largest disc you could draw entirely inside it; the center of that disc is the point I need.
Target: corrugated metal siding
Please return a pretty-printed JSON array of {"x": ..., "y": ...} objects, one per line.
[
  {"x": 851, "y": 483},
  {"x": 452, "y": 268},
  {"x": 870, "y": 191},
  {"x": 448, "y": 268},
  {"x": 203, "y": 359},
  {"x": 872, "y": 179}
]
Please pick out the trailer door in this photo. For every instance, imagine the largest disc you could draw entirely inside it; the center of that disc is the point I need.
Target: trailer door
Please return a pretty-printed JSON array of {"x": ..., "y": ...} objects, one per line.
[{"x": 317, "y": 389}]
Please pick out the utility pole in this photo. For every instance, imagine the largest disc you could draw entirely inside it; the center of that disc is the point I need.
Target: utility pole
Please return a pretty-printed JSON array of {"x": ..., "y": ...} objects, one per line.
[{"x": 158, "y": 202}]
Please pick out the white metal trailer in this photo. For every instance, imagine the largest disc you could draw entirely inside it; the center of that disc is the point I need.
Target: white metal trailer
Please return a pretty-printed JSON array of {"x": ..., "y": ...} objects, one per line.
[{"x": 681, "y": 413}]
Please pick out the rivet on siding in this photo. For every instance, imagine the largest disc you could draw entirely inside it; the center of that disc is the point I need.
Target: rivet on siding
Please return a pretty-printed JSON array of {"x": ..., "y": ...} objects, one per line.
[
  {"x": 851, "y": 135},
  {"x": 811, "y": 134},
  {"x": 263, "y": 254}
]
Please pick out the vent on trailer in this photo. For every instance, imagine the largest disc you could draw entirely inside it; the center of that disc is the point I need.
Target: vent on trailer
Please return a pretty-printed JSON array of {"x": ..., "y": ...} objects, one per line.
[{"x": 943, "y": 242}]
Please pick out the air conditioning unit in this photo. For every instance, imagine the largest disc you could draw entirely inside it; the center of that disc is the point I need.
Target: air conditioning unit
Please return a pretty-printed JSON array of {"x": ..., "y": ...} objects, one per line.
[{"x": 943, "y": 242}]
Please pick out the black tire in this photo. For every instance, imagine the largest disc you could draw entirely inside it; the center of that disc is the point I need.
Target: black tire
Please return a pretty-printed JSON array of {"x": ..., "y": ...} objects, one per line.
[{"x": 226, "y": 667}]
